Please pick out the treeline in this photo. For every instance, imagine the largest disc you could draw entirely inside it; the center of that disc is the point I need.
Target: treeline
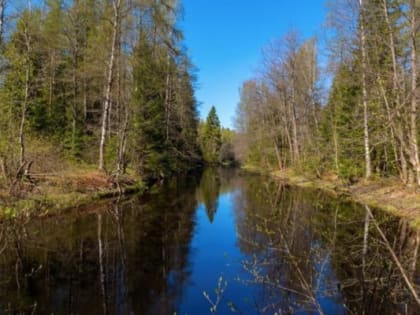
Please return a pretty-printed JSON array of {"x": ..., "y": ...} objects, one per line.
[
  {"x": 365, "y": 123},
  {"x": 216, "y": 142},
  {"x": 101, "y": 82}
]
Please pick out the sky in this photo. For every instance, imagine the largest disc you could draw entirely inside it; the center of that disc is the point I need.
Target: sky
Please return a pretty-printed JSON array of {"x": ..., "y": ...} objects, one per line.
[{"x": 224, "y": 39}]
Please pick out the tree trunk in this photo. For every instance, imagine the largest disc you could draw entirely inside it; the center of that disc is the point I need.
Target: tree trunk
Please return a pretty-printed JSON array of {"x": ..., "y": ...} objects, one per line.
[
  {"x": 368, "y": 166},
  {"x": 414, "y": 152},
  {"x": 26, "y": 98},
  {"x": 415, "y": 253},
  {"x": 336, "y": 154},
  {"x": 295, "y": 140},
  {"x": 74, "y": 107},
  {"x": 167, "y": 109},
  {"x": 51, "y": 82},
  {"x": 278, "y": 155},
  {"x": 2, "y": 9},
  {"x": 85, "y": 84},
  {"x": 122, "y": 145},
  {"x": 398, "y": 130},
  {"x": 23, "y": 118},
  {"x": 107, "y": 100}
]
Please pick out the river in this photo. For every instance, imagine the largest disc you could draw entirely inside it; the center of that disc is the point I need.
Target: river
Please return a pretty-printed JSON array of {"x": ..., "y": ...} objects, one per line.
[{"x": 220, "y": 242}]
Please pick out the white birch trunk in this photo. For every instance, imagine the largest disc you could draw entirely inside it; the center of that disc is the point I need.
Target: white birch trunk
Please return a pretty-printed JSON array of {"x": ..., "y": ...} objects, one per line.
[
  {"x": 368, "y": 166},
  {"x": 107, "y": 100}
]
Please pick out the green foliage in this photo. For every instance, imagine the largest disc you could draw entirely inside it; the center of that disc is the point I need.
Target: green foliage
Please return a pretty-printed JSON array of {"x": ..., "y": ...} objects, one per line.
[
  {"x": 211, "y": 137},
  {"x": 341, "y": 126},
  {"x": 165, "y": 119},
  {"x": 61, "y": 51},
  {"x": 149, "y": 78},
  {"x": 227, "y": 151}
]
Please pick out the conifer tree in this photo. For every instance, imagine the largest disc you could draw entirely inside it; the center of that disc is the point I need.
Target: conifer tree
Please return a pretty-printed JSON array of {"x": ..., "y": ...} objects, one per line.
[{"x": 211, "y": 138}]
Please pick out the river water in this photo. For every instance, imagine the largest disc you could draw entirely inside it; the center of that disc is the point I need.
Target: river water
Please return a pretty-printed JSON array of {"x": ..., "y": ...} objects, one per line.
[{"x": 216, "y": 243}]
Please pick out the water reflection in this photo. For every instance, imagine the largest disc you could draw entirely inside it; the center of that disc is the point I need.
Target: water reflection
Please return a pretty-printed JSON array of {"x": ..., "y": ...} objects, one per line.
[
  {"x": 310, "y": 253},
  {"x": 269, "y": 247},
  {"x": 121, "y": 258},
  {"x": 209, "y": 191}
]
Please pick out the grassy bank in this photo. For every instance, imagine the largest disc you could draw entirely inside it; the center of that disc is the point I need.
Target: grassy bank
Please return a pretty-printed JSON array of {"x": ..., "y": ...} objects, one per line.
[
  {"x": 56, "y": 192},
  {"x": 388, "y": 194}
]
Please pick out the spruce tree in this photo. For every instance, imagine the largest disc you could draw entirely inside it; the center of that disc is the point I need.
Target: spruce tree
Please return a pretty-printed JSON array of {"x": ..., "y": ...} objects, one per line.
[{"x": 211, "y": 139}]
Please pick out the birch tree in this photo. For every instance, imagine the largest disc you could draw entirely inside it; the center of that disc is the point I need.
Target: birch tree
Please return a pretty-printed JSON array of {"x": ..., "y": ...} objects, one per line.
[
  {"x": 368, "y": 167},
  {"x": 116, "y": 24}
]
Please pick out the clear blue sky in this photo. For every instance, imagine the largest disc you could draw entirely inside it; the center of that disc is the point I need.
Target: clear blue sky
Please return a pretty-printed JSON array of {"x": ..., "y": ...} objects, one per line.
[{"x": 225, "y": 38}]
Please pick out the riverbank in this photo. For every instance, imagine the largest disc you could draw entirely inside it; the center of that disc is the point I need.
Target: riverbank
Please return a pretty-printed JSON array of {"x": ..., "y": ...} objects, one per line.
[
  {"x": 388, "y": 194},
  {"x": 55, "y": 193}
]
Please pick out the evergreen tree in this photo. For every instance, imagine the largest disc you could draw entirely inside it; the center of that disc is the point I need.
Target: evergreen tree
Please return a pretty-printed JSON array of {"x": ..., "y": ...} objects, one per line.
[
  {"x": 149, "y": 137},
  {"x": 341, "y": 127},
  {"x": 211, "y": 138}
]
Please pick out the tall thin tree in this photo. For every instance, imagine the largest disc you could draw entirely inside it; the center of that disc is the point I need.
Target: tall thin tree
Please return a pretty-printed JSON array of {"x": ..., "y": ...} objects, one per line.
[{"x": 116, "y": 4}]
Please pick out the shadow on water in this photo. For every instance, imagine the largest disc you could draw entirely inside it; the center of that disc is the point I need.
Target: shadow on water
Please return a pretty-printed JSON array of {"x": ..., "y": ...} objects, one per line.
[{"x": 218, "y": 241}]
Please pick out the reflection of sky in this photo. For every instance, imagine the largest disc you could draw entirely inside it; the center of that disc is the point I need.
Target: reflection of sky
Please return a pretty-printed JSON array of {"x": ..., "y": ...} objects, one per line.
[
  {"x": 326, "y": 282},
  {"x": 169, "y": 252},
  {"x": 215, "y": 253}
]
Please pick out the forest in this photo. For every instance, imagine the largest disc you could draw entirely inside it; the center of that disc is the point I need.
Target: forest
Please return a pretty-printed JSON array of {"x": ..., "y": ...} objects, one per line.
[
  {"x": 100, "y": 84},
  {"x": 347, "y": 109},
  {"x": 105, "y": 90},
  {"x": 104, "y": 85},
  {"x": 119, "y": 195}
]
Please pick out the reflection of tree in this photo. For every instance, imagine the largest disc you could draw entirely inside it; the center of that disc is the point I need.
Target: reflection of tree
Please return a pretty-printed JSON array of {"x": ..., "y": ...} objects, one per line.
[
  {"x": 209, "y": 191},
  {"x": 213, "y": 183},
  {"x": 372, "y": 282},
  {"x": 307, "y": 252},
  {"x": 272, "y": 232},
  {"x": 119, "y": 258},
  {"x": 304, "y": 252}
]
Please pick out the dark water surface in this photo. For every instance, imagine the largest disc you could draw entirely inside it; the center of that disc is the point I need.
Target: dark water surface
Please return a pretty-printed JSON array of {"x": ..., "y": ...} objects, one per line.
[{"x": 218, "y": 242}]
